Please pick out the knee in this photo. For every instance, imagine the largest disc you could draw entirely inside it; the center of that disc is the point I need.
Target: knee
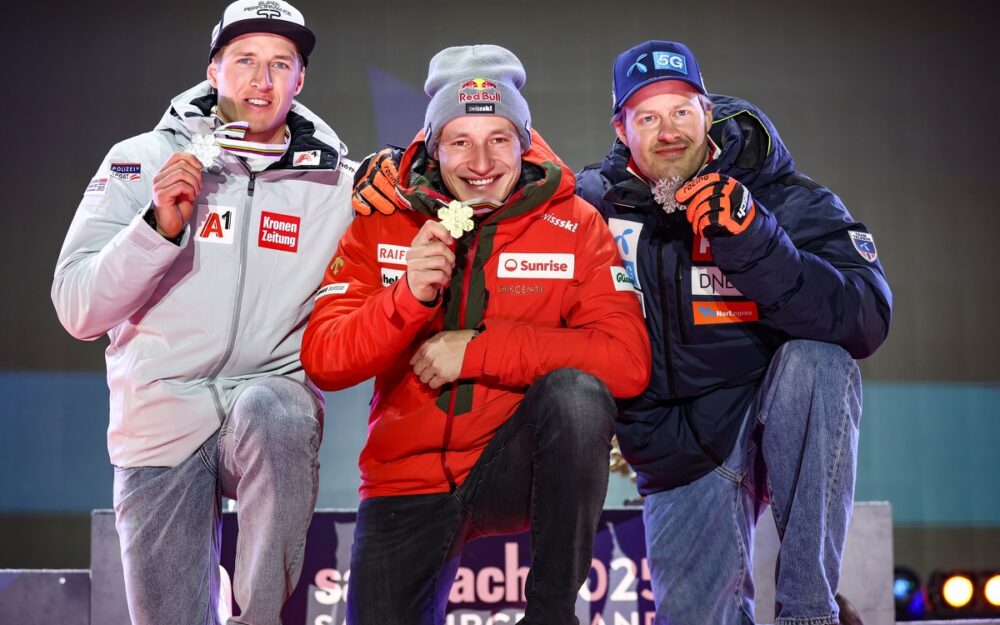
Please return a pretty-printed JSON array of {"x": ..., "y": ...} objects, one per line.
[
  {"x": 815, "y": 361},
  {"x": 818, "y": 374},
  {"x": 277, "y": 410},
  {"x": 580, "y": 405}
]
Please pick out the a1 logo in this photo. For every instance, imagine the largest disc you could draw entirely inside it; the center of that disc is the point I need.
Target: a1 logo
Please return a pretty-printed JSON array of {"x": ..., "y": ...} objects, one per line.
[{"x": 216, "y": 225}]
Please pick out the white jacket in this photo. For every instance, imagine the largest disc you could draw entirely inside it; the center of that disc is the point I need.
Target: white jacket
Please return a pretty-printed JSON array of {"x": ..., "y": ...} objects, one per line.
[{"x": 191, "y": 325}]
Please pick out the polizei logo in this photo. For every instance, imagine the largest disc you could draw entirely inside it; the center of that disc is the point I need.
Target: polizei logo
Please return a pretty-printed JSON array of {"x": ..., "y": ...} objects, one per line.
[{"x": 543, "y": 266}]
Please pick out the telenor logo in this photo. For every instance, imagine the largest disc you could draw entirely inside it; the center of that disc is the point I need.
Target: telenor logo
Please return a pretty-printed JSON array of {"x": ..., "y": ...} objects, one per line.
[
  {"x": 542, "y": 266},
  {"x": 638, "y": 65}
]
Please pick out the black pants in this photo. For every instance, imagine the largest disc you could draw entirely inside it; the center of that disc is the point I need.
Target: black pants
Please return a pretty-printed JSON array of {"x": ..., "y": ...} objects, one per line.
[{"x": 546, "y": 468}]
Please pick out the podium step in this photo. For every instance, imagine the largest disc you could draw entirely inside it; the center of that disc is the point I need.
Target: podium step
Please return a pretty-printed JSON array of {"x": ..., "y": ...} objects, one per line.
[{"x": 45, "y": 596}]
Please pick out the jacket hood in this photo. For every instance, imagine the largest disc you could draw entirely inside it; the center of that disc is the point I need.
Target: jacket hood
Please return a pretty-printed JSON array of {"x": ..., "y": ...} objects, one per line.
[
  {"x": 189, "y": 114},
  {"x": 544, "y": 178}
]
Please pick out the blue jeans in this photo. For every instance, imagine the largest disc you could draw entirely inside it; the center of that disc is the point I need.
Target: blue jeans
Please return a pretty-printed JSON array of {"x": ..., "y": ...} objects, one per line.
[
  {"x": 797, "y": 449},
  {"x": 546, "y": 469},
  {"x": 169, "y": 523}
]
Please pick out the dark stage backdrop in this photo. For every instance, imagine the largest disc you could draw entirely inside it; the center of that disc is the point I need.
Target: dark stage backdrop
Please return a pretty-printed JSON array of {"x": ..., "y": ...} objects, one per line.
[{"x": 886, "y": 103}]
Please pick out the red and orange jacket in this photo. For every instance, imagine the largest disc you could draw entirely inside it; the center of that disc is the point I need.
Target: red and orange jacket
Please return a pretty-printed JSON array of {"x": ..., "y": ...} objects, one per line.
[{"x": 540, "y": 277}]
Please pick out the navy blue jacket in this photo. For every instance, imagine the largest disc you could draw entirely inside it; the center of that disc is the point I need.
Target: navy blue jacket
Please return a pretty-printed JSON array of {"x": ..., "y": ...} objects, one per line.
[{"x": 717, "y": 313}]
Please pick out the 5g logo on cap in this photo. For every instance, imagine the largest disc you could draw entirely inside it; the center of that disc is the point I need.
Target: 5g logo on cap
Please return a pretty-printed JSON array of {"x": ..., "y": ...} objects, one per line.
[{"x": 670, "y": 61}]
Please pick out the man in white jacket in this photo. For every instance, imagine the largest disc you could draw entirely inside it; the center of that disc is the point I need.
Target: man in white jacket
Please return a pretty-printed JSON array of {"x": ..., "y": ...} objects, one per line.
[{"x": 198, "y": 248}]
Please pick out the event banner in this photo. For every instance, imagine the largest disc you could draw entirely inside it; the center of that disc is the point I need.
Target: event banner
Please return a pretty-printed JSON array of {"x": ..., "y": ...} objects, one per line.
[{"x": 489, "y": 585}]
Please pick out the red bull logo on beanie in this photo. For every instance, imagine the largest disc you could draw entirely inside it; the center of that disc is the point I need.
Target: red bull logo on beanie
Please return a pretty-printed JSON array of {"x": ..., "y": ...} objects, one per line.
[
  {"x": 478, "y": 90},
  {"x": 670, "y": 61}
]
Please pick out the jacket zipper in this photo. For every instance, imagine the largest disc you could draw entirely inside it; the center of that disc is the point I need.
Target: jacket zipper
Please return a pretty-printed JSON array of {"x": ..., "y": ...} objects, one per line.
[
  {"x": 671, "y": 383},
  {"x": 665, "y": 318},
  {"x": 679, "y": 294},
  {"x": 449, "y": 422},
  {"x": 237, "y": 308}
]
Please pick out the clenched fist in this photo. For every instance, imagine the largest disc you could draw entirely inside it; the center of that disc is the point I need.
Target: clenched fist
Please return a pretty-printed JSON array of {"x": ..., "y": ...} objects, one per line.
[{"x": 175, "y": 188}]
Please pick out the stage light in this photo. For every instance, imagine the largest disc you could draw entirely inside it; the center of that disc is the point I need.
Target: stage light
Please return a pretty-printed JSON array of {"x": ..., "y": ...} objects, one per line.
[
  {"x": 957, "y": 591},
  {"x": 964, "y": 594},
  {"x": 951, "y": 594},
  {"x": 991, "y": 590},
  {"x": 911, "y": 603}
]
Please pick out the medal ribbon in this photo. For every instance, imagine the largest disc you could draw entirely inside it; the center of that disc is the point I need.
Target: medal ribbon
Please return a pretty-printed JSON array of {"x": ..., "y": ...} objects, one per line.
[{"x": 230, "y": 138}]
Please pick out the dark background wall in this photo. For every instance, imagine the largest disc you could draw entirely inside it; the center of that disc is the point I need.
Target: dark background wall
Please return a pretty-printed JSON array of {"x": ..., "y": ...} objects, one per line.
[{"x": 887, "y": 103}]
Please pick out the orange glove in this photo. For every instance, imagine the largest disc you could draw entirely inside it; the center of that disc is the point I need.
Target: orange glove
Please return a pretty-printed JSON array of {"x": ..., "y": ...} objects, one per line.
[
  {"x": 375, "y": 182},
  {"x": 717, "y": 205}
]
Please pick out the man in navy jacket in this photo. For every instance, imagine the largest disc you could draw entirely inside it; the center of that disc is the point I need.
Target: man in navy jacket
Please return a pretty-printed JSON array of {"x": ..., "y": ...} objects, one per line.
[{"x": 759, "y": 292}]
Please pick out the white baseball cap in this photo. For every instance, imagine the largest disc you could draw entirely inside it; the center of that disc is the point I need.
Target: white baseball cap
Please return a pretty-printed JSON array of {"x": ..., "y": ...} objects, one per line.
[{"x": 263, "y": 16}]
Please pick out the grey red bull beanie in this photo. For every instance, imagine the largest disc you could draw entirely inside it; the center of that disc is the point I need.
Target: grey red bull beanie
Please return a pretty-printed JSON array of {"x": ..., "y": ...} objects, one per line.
[{"x": 475, "y": 80}]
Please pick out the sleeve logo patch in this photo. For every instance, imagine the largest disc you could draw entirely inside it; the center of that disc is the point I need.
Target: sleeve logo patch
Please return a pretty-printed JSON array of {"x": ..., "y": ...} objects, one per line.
[
  {"x": 626, "y": 234},
  {"x": 335, "y": 288},
  {"x": 864, "y": 243},
  {"x": 621, "y": 279},
  {"x": 97, "y": 186},
  {"x": 129, "y": 172}
]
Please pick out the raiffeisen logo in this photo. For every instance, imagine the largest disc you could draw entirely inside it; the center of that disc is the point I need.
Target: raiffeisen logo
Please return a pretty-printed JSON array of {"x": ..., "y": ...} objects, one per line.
[{"x": 542, "y": 266}]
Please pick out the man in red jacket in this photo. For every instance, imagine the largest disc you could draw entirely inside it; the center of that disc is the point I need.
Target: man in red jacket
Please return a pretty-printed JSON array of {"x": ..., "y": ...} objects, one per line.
[{"x": 493, "y": 310}]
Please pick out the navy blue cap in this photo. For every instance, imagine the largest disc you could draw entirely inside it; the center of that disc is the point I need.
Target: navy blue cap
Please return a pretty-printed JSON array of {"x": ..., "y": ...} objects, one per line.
[{"x": 652, "y": 61}]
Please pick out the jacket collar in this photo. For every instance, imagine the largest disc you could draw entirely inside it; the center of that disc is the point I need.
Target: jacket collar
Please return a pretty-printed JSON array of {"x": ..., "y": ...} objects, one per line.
[
  {"x": 189, "y": 114},
  {"x": 544, "y": 177}
]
